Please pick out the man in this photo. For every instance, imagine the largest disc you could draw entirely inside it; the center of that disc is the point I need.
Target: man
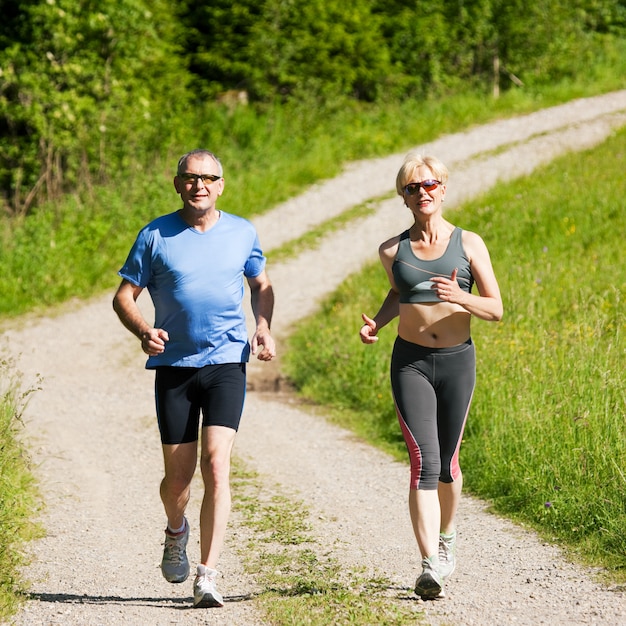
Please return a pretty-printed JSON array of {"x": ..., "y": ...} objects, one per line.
[{"x": 193, "y": 262}]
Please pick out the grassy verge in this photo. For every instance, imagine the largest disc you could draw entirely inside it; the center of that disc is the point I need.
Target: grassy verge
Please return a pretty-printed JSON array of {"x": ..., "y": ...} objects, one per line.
[
  {"x": 74, "y": 248},
  {"x": 300, "y": 581},
  {"x": 314, "y": 237},
  {"x": 18, "y": 494},
  {"x": 546, "y": 439}
]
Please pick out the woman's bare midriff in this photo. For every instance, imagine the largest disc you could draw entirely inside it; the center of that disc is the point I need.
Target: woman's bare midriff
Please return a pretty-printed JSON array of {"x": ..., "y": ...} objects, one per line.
[{"x": 434, "y": 324}]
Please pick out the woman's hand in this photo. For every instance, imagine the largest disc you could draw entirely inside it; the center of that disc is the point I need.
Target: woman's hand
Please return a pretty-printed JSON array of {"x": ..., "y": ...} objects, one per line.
[
  {"x": 368, "y": 330},
  {"x": 447, "y": 289}
]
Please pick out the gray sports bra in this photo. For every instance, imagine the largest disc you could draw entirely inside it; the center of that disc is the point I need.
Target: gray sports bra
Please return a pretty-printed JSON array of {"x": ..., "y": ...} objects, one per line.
[{"x": 413, "y": 275}]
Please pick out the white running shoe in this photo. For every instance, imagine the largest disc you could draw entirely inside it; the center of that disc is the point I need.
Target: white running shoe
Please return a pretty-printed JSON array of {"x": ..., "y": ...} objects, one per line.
[
  {"x": 428, "y": 585},
  {"x": 174, "y": 565},
  {"x": 447, "y": 554},
  {"x": 205, "y": 594}
]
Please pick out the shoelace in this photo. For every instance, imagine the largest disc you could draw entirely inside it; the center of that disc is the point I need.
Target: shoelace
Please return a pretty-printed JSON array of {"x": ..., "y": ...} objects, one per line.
[
  {"x": 207, "y": 579},
  {"x": 174, "y": 550},
  {"x": 445, "y": 549}
]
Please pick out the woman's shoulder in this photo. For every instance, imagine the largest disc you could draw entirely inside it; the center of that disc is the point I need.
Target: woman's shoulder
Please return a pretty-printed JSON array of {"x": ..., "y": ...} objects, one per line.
[
  {"x": 389, "y": 248},
  {"x": 470, "y": 236},
  {"x": 472, "y": 243}
]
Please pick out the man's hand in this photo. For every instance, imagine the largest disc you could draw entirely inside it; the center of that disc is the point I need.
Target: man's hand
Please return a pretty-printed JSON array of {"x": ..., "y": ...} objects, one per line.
[
  {"x": 153, "y": 341},
  {"x": 264, "y": 340}
]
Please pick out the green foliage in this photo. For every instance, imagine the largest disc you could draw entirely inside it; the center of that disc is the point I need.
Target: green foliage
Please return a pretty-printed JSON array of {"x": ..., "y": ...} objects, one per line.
[
  {"x": 217, "y": 40},
  {"x": 494, "y": 43},
  {"x": 296, "y": 48},
  {"x": 545, "y": 441},
  {"x": 82, "y": 86},
  {"x": 324, "y": 48},
  {"x": 86, "y": 87},
  {"x": 73, "y": 247},
  {"x": 18, "y": 494},
  {"x": 432, "y": 45},
  {"x": 373, "y": 48},
  {"x": 55, "y": 254}
]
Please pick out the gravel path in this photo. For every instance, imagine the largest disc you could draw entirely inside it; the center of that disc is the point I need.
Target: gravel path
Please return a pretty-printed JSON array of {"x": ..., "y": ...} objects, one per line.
[{"x": 92, "y": 433}]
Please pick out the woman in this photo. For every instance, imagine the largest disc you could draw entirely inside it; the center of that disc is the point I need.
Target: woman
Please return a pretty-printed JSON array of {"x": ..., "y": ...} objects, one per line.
[{"x": 431, "y": 268}]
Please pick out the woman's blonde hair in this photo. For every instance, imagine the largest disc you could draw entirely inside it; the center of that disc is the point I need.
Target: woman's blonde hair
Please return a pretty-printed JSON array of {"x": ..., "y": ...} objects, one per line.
[{"x": 414, "y": 161}]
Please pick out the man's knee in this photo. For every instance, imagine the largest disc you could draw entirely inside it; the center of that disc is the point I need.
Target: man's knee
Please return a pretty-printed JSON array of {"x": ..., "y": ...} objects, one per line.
[
  {"x": 175, "y": 485},
  {"x": 215, "y": 468}
]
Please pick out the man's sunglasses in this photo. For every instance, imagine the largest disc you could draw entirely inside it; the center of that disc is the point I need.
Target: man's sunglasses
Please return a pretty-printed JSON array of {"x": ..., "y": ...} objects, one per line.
[
  {"x": 429, "y": 185},
  {"x": 189, "y": 178}
]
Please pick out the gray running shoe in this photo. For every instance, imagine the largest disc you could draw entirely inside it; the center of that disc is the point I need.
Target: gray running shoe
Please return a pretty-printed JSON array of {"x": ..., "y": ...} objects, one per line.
[
  {"x": 205, "y": 594},
  {"x": 175, "y": 566},
  {"x": 447, "y": 558},
  {"x": 428, "y": 585}
]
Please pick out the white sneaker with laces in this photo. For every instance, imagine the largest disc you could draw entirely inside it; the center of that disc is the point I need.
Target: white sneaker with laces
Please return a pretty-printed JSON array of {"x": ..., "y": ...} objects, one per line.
[
  {"x": 428, "y": 585},
  {"x": 447, "y": 556},
  {"x": 205, "y": 594}
]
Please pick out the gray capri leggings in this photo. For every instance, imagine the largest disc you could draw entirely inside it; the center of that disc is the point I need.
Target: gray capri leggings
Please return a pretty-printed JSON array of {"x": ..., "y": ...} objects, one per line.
[{"x": 432, "y": 390}]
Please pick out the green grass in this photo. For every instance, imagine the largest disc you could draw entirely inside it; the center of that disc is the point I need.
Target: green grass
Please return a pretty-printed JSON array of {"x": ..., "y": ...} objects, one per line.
[
  {"x": 546, "y": 438},
  {"x": 18, "y": 494},
  {"x": 74, "y": 248},
  {"x": 300, "y": 582}
]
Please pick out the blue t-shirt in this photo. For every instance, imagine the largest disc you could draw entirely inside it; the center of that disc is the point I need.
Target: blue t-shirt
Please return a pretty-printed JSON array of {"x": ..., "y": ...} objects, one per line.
[{"x": 196, "y": 282}]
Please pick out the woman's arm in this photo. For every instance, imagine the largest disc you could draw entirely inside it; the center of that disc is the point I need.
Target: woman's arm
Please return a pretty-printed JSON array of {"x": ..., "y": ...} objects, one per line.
[
  {"x": 390, "y": 308},
  {"x": 487, "y": 305}
]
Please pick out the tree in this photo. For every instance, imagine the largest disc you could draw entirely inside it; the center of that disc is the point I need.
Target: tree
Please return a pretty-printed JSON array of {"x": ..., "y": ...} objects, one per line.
[
  {"x": 494, "y": 43},
  {"x": 287, "y": 48},
  {"x": 217, "y": 43},
  {"x": 83, "y": 84}
]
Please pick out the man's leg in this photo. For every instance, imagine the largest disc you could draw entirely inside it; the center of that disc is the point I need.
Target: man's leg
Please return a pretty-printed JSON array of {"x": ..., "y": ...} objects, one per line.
[
  {"x": 225, "y": 390},
  {"x": 180, "y": 464},
  {"x": 217, "y": 446}
]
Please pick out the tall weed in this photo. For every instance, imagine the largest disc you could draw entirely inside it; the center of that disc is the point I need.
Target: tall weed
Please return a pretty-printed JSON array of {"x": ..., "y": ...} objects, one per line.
[{"x": 18, "y": 493}]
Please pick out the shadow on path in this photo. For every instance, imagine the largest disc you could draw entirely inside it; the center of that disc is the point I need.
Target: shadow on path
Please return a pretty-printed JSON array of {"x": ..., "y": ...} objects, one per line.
[{"x": 166, "y": 603}]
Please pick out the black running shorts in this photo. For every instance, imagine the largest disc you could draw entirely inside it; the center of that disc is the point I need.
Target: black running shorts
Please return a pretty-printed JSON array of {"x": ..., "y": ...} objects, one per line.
[{"x": 182, "y": 392}]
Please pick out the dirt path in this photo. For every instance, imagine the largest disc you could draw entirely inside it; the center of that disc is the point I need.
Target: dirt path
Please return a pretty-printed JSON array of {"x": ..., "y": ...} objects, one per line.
[{"x": 92, "y": 433}]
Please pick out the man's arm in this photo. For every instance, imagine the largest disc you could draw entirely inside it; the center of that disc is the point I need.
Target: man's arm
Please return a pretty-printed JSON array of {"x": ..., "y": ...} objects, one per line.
[
  {"x": 262, "y": 300},
  {"x": 125, "y": 305}
]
